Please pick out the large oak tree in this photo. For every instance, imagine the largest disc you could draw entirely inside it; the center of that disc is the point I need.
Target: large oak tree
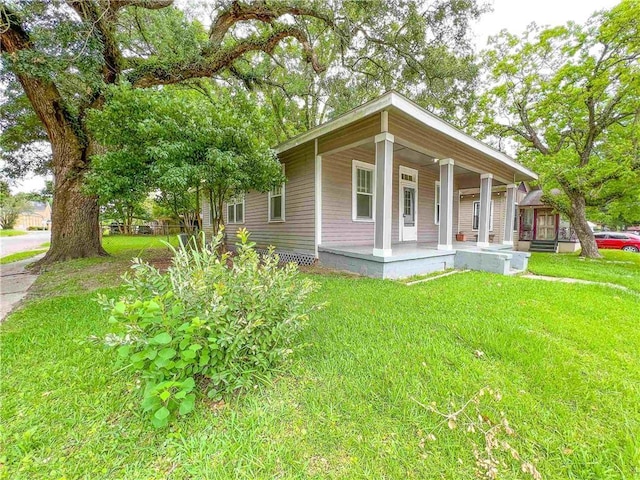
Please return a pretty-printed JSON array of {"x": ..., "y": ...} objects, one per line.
[
  {"x": 569, "y": 97},
  {"x": 65, "y": 53}
]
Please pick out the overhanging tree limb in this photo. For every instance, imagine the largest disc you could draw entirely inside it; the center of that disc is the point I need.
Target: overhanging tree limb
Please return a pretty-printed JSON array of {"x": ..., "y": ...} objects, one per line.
[
  {"x": 147, "y": 76},
  {"x": 261, "y": 11}
]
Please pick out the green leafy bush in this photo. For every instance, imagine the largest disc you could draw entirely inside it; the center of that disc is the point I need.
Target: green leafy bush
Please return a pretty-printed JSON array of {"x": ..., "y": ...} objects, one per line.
[{"x": 213, "y": 321}]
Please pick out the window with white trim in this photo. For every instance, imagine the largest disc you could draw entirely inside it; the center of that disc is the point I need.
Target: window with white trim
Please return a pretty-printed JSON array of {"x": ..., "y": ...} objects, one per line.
[
  {"x": 276, "y": 204},
  {"x": 363, "y": 204},
  {"x": 235, "y": 210},
  {"x": 436, "y": 212},
  {"x": 516, "y": 218},
  {"x": 476, "y": 216}
]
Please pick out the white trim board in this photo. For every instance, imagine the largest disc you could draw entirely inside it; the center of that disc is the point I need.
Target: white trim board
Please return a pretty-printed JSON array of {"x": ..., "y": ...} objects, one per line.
[
  {"x": 318, "y": 198},
  {"x": 355, "y": 165}
]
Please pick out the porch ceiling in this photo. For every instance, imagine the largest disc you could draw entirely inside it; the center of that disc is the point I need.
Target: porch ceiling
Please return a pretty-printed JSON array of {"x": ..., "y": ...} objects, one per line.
[{"x": 464, "y": 177}]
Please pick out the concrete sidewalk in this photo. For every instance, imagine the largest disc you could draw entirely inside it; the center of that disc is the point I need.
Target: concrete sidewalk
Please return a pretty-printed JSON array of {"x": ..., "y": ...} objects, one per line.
[{"x": 15, "y": 281}]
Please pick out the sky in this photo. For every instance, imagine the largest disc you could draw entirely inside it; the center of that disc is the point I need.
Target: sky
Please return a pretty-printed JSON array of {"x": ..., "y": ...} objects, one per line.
[{"x": 513, "y": 15}]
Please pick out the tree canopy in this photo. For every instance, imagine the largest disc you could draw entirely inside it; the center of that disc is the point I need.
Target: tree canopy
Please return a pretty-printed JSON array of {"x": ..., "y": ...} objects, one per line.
[
  {"x": 421, "y": 49},
  {"x": 60, "y": 57},
  {"x": 569, "y": 99},
  {"x": 11, "y": 206},
  {"x": 173, "y": 143}
]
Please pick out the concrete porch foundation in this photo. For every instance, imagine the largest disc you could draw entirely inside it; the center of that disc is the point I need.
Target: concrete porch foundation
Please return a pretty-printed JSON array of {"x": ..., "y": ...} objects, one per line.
[
  {"x": 419, "y": 259},
  {"x": 400, "y": 265}
]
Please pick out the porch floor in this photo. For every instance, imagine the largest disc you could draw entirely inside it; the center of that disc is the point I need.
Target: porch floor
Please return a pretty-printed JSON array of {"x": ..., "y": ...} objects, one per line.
[{"x": 408, "y": 250}]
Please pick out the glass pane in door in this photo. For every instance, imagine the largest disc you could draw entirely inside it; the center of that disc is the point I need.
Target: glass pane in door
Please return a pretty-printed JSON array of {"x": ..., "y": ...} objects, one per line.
[
  {"x": 546, "y": 228},
  {"x": 409, "y": 207}
]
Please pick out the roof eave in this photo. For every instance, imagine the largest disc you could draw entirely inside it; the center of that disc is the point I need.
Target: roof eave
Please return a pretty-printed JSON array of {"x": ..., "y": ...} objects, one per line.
[
  {"x": 374, "y": 106},
  {"x": 393, "y": 99},
  {"x": 446, "y": 128}
]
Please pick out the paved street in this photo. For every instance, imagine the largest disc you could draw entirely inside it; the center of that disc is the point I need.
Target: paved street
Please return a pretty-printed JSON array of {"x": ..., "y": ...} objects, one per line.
[
  {"x": 14, "y": 284},
  {"x": 14, "y": 279},
  {"x": 21, "y": 243}
]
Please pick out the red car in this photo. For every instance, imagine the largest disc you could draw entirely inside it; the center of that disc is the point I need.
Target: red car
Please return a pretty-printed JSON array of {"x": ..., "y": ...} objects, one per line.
[{"x": 618, "y": 240}]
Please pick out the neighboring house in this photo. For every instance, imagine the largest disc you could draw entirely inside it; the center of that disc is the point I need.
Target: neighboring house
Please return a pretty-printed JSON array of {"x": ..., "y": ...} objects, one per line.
[
  {"x": 381, "y": 190},
  {"x": 542, "y": 229},
  {"x": 37, "y": 215}
]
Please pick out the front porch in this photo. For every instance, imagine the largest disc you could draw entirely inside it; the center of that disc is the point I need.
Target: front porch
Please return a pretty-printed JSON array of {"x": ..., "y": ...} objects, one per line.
[
  {"x": 394, "y": 185},
  {"x": 414, "y": 258}
]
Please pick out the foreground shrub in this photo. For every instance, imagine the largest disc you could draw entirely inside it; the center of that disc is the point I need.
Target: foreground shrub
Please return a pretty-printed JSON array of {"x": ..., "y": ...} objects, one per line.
[{"x": 212, "y": 321}]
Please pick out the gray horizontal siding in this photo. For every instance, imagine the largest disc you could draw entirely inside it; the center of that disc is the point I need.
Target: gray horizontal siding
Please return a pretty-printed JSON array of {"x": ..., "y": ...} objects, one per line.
[
  {"x": 297, "y": 232},
  {"x": 338, "y": 228},
  {"x": 466, "y": 215}
]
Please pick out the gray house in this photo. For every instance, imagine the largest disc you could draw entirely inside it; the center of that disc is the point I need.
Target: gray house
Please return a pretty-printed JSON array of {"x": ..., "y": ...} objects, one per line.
[{"x": 378, "y": 190}]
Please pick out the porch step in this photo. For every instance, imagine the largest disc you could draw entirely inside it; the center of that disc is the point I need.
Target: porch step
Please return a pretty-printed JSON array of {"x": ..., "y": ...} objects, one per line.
[
  {"x": 545, "y": 246},
  {"x": 505, "y": 262}
]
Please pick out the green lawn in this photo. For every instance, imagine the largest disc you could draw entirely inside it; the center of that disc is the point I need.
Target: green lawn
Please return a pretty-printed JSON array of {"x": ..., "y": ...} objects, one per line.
[
  {"x": 116, "y": 244},
  {"x": 562, "y": 360},
  {"x": 11, "y": 233},
  {"x": 616, "y": 266},
  {"x": 16, "y": 257},
  {"x": 119, "y": 246}
]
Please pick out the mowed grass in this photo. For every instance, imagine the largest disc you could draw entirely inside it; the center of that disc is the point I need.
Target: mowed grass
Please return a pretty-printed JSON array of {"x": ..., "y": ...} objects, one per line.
[
  {"x": 16, "y": 257},
  {"x": 562, "y": 357},
  {"x": 615, "y": 266},
  {"x": 78, "y": 276},
  {"x": 116, "y": 244},
  {"x": 11, "y": 233}
]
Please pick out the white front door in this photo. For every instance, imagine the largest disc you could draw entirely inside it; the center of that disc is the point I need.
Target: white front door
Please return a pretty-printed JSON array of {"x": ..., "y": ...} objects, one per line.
[{"x": 408, "y": 201}]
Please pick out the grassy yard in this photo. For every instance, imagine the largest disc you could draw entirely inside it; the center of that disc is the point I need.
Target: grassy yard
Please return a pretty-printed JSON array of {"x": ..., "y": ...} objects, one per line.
[
  {"x": 16, "y": 257},
  {"x": 616, "y": 266},
  {"x": 11, "y": 233},
  {"x": 561, "y": 360}
]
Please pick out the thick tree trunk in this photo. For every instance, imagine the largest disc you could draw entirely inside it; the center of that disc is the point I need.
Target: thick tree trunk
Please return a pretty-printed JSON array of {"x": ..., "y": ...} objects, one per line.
[
  {"x": 578, "y": 217},
  {"x": 75, "y": 227}
]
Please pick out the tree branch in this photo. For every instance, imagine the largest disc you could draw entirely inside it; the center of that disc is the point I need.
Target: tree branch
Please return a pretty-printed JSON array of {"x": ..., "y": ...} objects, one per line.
[
  {"x": 43, "y": 94},
  {"x": 102, "y": 25},
  {"x": 532, "y": 135},
  {"x": 116, "y": 5},
  {"x": 261, "y": 11},
  {"x": 147, "y": 76}
]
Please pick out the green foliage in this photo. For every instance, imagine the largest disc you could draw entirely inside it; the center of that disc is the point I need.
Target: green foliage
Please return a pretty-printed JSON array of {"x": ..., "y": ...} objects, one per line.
[
  {"x": 11, "y": 206},
  {"x": 182, "y": 143},
  {"x": 23, "y": 146},
  {"x": 223, "y": 322},
  {"x": 121, "y": 187},
  {"x": 567, "y": 98},
  {"x": 421, "y": 49}
]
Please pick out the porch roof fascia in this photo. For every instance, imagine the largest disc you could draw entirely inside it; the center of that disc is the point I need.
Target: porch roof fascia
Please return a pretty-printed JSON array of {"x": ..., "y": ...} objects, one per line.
[{"x": 417, "y": 113}]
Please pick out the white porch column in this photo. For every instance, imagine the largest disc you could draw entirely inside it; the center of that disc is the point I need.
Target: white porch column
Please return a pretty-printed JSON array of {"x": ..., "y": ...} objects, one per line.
[
  {"x": 383, "y": 194},
  {"x": 445, "y": 233},
  {"x": 510, "y": 214},
  {"x": 484, "y": 223}
]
